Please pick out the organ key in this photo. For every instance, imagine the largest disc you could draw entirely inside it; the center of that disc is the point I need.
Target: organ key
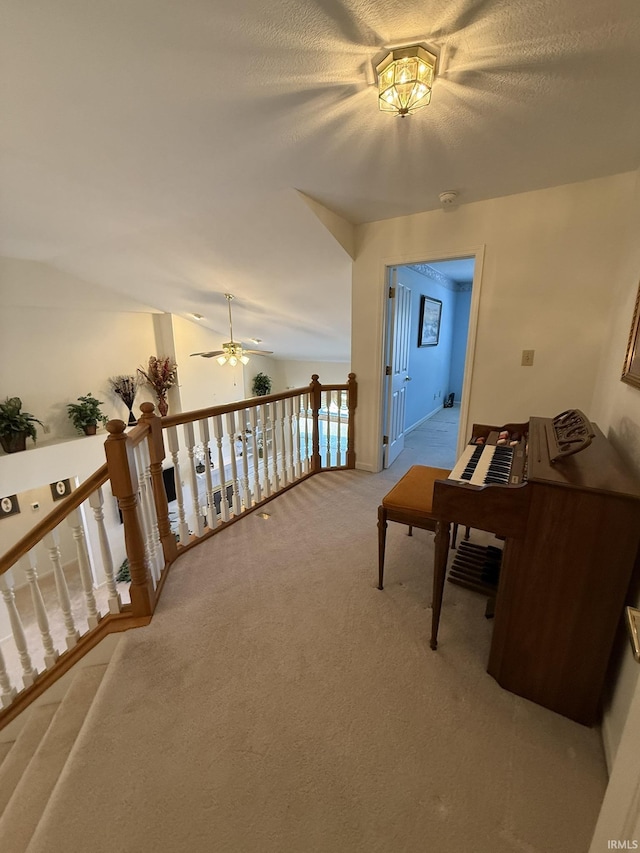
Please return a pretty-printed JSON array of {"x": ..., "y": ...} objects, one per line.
[{"x": 482, "y": 464}]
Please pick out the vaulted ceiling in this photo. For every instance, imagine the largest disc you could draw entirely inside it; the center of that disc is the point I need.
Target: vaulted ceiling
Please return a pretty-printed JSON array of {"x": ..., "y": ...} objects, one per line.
[{"x": 165, "y": 149}]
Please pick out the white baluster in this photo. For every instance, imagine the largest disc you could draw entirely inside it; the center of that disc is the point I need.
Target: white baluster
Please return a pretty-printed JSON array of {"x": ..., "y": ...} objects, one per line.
[
  {"x": 218, "y": 434},
  {"x": 147, "y": 513},
  {"x": 205, "y": 438},
  {"x": 158, "y": 552},
  {"x": 266, "y": 482},
  {"x": 296, "y": 405},
  {"x": 31, "y": 571},
  {"x": 75, "y": 523},
  {"x": 198, "y": 521},
  {"x": 326, "y": 403},
  {"x": 231, "y": 431},
  {"x": 273, "y": 418},
  {"x": 308, "y": 420},
  {"x": 29, "y": 672},
  {"x": 253, "y": 421},
  {"x": 7, "y": 692},
  {"x": 288, "y": 440},
  {"x": 246, "y": 490},
  {"x": 339, "y": 431},
  {"x": 278, "y": 428},
  {"x": 51, "y": 542},
  {"x": 172, "y": 443},
  {"x": 96, "y": 502},
  {"x": 344, "y": 411}
]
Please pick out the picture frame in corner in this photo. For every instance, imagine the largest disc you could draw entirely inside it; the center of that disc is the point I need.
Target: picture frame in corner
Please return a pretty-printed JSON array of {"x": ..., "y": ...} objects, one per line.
[
  {"x": 631, "y": 369},
  {"x": 430, "y": 316}
]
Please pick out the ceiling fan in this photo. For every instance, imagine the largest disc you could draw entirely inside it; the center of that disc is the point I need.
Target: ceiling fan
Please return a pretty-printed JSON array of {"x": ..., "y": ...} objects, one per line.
[{"x": 232, "y": 352}]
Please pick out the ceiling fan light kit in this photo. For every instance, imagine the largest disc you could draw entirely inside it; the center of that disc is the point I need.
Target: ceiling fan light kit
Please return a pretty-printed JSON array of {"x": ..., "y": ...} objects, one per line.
[
  {"x": 405, "y": 79},
  {"x": 231, "y": 352}
]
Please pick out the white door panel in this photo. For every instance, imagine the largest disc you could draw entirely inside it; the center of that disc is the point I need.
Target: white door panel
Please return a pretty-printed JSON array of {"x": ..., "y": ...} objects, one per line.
[{"x": 398, "y": 334}]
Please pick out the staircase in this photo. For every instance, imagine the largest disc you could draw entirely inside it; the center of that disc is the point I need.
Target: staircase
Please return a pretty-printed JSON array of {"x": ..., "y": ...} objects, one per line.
[{"x": 33, "y": 764}]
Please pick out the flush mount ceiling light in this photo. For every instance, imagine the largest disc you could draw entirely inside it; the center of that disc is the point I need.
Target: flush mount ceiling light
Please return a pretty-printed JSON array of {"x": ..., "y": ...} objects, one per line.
[
  {"x": 405, "y": 78},
  {"x": 231, "y": 352}
]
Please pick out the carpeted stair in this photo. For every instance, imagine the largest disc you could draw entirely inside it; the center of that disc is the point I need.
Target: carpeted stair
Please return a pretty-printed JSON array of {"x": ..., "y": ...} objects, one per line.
[{"x": 32, "y": 765}]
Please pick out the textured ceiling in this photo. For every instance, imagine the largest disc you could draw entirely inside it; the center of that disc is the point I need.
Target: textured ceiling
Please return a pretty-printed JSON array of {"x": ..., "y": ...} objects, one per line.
[{"x": 155, "y": 147}]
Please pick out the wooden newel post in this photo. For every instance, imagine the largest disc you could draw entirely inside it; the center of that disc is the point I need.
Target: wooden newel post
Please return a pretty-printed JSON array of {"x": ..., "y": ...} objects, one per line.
[
  {"x": 124, "y": 485},
  {"x": 316, "y": 401},
  {"x": 156, "y": 455},
  {"x": 352, "y": 402}
]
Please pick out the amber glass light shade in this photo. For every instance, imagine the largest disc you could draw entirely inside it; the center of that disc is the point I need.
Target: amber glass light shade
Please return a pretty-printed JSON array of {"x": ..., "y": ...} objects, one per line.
[{"x": 405, "y": 78}]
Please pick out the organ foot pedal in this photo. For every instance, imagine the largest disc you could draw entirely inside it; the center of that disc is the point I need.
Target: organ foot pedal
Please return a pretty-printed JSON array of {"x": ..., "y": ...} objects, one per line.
[{"x": 477, "y": 567}]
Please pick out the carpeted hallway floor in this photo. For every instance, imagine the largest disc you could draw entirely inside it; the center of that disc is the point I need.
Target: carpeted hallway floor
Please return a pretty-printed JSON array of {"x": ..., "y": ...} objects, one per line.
[
  {"x": 434, "y": 441},
  {"x": 280, "y": 703}
]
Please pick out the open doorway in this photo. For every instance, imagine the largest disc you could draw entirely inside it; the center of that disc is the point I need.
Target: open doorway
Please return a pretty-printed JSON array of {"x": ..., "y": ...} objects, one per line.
[{"x": 427, "y": 341}]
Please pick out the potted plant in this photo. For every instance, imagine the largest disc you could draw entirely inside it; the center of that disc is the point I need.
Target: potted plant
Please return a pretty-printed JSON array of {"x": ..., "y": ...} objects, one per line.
[
  {"x": 261, "y": 385},
  {"x": 86, "y": 414},
  {"x": 16, "y": 425}
]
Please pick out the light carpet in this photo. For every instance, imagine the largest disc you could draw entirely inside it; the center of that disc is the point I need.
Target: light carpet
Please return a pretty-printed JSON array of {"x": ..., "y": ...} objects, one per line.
[
  {"x": 280, "y": 703},
  {"x": 435, "y": 439}
]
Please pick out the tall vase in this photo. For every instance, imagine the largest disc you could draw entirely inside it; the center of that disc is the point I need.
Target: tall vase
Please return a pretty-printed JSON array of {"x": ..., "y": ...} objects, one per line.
[
  {"x": 132, "y": 418},
  {"x": 163, "y": 406}
]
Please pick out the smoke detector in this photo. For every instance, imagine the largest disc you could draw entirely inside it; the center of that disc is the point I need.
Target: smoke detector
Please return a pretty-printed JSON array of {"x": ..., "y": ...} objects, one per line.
[{"x": 448, "y": 199}]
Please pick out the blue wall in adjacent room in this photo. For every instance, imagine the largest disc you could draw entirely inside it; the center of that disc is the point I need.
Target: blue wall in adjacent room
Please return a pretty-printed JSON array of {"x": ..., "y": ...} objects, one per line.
[{"x": 435, "y": 371}]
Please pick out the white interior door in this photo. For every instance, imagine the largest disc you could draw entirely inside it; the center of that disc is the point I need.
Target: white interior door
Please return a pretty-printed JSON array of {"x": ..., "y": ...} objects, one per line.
[{"x": 397, "y": 377}]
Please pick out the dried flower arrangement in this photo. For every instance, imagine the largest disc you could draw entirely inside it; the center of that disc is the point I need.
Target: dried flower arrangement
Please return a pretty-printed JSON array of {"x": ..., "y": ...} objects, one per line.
[
  {"x": 160, "y": 375},
  {"x": 126, "y": 387}
]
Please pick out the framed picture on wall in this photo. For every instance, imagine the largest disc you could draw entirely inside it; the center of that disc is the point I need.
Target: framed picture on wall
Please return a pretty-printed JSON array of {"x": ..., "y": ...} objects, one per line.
[
  {"x": 631, "y": 369},
  {"x": 429, "y": 328},
  {"x": 9, "y": 506},
  {"x": 60, "y": 489}
]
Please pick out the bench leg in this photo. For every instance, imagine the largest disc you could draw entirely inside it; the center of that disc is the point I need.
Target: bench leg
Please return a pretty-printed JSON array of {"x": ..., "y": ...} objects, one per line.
[
  {"x": 382, "y": 538},
  {"x": 439, "y": 573}
]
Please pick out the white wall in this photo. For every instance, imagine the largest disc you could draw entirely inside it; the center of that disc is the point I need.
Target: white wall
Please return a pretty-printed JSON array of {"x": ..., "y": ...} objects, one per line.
[
  {"x": 297, "y": 374},
  {"x": 616, "y": 409},
  {"x": 271, "y": 367},
  {"x": 49, "y": 357},
  {"x": 546, "y": 285},
  {"x": 560, "y": 276},
  {"x": 31, "y": 471},
  {"x": 459, "y": 344},
  {"x": 428, "y": 366},
  {"x": 203, "y": 382}
]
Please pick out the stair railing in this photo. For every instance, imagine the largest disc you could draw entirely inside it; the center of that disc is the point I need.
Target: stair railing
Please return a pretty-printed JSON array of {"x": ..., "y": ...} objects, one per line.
[{"x": 178, "y": 480}]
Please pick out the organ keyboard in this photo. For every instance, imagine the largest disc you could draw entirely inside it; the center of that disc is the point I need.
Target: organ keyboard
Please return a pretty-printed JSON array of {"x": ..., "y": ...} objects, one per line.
[
  {"x": 568, "y": 509},
  {"x": 481, "y": 464}
]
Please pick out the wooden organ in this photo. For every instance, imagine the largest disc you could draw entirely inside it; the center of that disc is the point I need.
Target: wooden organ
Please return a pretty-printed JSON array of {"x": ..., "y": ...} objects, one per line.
[{"x": 568, "y": 509}]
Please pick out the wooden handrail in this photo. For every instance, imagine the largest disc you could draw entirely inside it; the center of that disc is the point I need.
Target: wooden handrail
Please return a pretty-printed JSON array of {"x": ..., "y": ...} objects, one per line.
[
  {"x": 252, "y": 402},
  {"x": 141, "y": 431},
  {"x": 121, "y": 472},
  {"x": 51, "y": 521},
  {"x": 124, "y": 485}
]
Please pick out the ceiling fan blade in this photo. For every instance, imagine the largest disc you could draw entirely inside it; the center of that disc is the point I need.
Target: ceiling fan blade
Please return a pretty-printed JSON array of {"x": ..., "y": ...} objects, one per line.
[
  {"x": 258, "y": 351},
  {"x": 209, "y": 354}
]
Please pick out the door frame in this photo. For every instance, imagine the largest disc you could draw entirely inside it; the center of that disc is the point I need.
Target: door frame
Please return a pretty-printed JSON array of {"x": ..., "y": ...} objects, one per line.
[
  {"x": 393, "y": 307},
  {"x": 477, "y": 253}
]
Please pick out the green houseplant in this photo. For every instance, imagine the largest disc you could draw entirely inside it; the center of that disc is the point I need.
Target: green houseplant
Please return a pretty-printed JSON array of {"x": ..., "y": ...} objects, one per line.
[
  {"x": 16, "y": 425},
  {"x": 86, "y": 414},
  {"x": 261, "y": 385}
]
